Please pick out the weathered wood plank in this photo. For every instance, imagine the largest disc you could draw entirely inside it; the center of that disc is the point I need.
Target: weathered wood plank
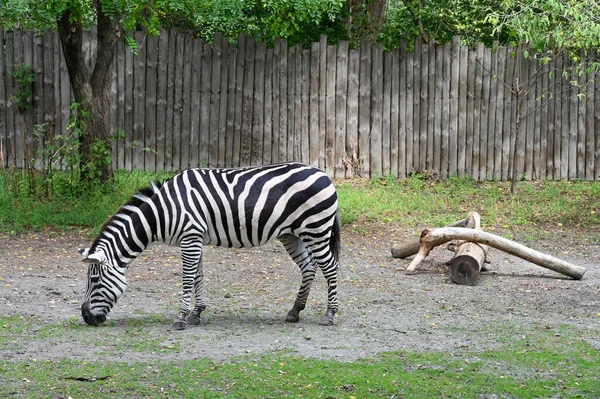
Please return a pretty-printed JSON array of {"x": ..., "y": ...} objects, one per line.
[
  {"x": 3, "y": 107},
  {"x": 150, "y": 106},
  {"x": 491, "y": 115},
  {"x": 239, "y": 89},
  {"x": 590, "y": 133},
  {"x": 184, "y": 145},
  {"x": 259, "y": 104},
  {"x": 385, "y": 119},
  {"x": 38, "y": 99},
  {"x": 484, "y": 115},
  {"x": 322, "y": 98},
  {"x": 376, "y": 111},
  {"x": 139, "y": 83},
  {"x": 351, "y": 163},
  {"x": 445, "y": 129},
  {"x": 248, "y": 105},
  {"x": 421, "y": 130},
  {"x": 539, "y": 140},
  {"x": 437, "y": 118},
  {"x": 394, "y": 112},
  {"x": 10, "y": 106},
  {"x": 402, "y": 112},
  {"x": 454, "y": 108},
  {"x": 573, "y": 119},
  {"x": 341, "y": 99},
  {"x": 551, "y": 101},
  {"x": 305, "y": 122},
  {"x": 223, "y": 55},
  {"x": 410, "y": 166},
  {"x": 296, "y": 103},
  {"x": 276, "y": 100},
  {"x": 597, "y": 129},
  {"x": 291, "y": 103},
  {"x": 364, "y": 105},
  {"x": 558, "y": 113},
  {"x": 314, "y": 104},
  {"x": 21, "y": 117},
  {"x": 283, "y": 114},
  {"x": 231, "y": 102},
  {"x": 207, "y": 138},
  {"x": 164, "y": 42},
  {"x": 260, "y": 51},
  {"x": 268, "y": 109},
  {"x": 473, "y": 108},
  {"x": 431, "y": 75},
  {"x": 416, "y": 105},
  {"x": 195, "y": 109},
  {"x": 330, "y": 111},
  {"x": 462, "y": 112},
  {"x": 500, "y": 79},
  {"x": 530, "y": 87},
  {"x": 566, "y": 92}
]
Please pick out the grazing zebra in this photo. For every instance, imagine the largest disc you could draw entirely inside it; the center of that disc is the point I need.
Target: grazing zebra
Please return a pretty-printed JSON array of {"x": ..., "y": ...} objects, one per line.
[{"x": 244, "y": 207}]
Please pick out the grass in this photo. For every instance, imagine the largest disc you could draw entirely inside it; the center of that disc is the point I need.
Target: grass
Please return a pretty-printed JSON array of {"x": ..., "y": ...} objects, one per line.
[
  {"x": 537, "y": 364},
  {"x": 412, "y": 202},
  {"x": 418, "y": 202}
]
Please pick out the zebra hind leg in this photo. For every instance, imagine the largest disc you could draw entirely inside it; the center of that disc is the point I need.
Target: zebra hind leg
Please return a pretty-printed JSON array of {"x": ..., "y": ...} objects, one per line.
[
  {"x": 328, "y": 264},
  {"x": 191, "y": 253},
  {"x": 200, "y": 303},
  {"x": 303, "y": 258}
]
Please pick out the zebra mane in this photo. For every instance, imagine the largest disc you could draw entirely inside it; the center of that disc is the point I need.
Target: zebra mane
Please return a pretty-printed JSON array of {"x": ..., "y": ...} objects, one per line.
[{"x": 135, "y": 201}]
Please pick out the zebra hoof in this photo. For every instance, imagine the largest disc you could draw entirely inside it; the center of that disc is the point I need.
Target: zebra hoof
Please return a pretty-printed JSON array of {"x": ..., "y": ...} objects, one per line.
[
  {"x": 292, "y": 316},
  {"x": 327, "y": 319},
  {"x": 194, "y": 319},
  {"x": 179, "y": 324}
]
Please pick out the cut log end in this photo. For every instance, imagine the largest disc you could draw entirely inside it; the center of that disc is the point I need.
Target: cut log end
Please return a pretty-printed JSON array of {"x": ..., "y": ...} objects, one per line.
[{"x": 464, "y": 270}]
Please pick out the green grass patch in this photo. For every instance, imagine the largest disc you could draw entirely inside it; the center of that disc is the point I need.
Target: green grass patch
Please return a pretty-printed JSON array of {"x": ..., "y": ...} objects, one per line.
[
  {"x": 417, "y": 202},
  {"x": 540, "y": 366}
]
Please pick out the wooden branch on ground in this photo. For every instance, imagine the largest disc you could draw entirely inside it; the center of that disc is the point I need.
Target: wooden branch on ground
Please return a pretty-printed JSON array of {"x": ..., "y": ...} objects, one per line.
[
  {"x": 406, "y": 250},
  {"x": 431, "y": 238},
  {"x": 469, "y": 256}
]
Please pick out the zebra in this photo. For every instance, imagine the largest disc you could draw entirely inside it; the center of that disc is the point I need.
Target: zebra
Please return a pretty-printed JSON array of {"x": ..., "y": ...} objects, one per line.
[{"x": 237, "y": 207}]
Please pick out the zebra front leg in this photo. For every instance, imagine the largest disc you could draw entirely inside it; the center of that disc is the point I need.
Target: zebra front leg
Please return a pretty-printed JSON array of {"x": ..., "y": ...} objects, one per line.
[
  {"x": 191, "y": 254},
  {"x": 330, "y": 272},
  {"x": 200, "y": 303}
]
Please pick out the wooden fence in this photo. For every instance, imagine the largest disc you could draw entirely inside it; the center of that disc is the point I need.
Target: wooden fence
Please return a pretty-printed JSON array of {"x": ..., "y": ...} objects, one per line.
[{"x": 447, "y": 110}]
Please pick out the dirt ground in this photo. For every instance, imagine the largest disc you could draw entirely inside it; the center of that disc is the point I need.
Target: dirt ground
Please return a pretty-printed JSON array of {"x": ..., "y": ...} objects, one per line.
[{"x": 382, "y": 307}]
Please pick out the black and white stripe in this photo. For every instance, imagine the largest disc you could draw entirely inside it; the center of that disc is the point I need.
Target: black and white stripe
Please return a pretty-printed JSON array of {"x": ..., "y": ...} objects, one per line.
[{"x": 244, "y": 207}]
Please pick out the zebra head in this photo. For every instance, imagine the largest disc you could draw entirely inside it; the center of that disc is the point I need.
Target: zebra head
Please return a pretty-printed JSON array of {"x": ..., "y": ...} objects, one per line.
[{"x": 105, "y": 284}]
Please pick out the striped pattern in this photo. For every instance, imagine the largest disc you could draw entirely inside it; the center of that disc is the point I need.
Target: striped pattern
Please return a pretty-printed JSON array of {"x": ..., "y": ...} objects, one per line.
[{"x": 245, "y": 207}]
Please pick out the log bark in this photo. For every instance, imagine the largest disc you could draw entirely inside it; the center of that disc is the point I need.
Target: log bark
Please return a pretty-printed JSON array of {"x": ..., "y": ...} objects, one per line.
[
  {"x": 431, "y": 238},
  {"x": 469, "y": 256},
  {"x": 411, "y": 248}
]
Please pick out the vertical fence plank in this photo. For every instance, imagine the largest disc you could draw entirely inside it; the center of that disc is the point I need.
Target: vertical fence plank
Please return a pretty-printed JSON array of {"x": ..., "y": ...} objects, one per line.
[
  {"x": 341, "y": 99},
  {"x": 305, "y": 90},
  {"x": 161, "y": 98},
  {"x": 351, "y": 162},
  {"x": 38, "y": 99},
  {"x": 195, "y": 100},
  {"x": 276, "y": 100},
  {"x": 231, "y": 101},
  {"x": 291, "y": 103},
  {"x": 581, "y": 116},
  {"x": 259, "y": 103},
  {"x": 376, "y": 111},
  {"x": 410, "y": 166},
  {"x": 151, "y": 100},
  {"x": 500, "y": 79},
  {"x": 330, "y": 112},
  {"x": 385, "y": 119},
  {"x": 484, "y": 114},
  {"x": 454, "y": 93},
  {"x": 139, "y": 103},
  {"x": 283, "y": 121},
  {"x": 402, "y": 112},
  {"x": 541, "y": 115},
  {"x": 421, "y": 136},
  {"x": 530, "y": 86},
  {"x": 437, "y": 117},
  {"x": 10, "y": 108},
  {"x": 248, "y": 105},
  {"x": 185, "y": 147},
  {"x": 215, "y": 56},
  {"x": 416, "y": 105},
  {"x": 364, "y": 106},
  {"x": 297, "y": 111},
  {"x": 491, "y": 140},
  {"x": 239, "y": 100},
  {"x": 3, "y": 108},
  {"x": 394, "y": 112},
  {"x": 558, "y": 114},
  {"x": 590, "y": 133},
  {"x": 596, "y": 130},
  {"x": 322, "y": 98},
  {"x": 19, "y": 125},
  {"x": 445, "y": 129},
  {"x": 314, "y": 105},
  {"x": 223, "y": 55},
  {"x": 462, "y": 111},
  {"x": 473, "y": 108},
  {"x": 551, "y": 101},
  {"x": 207, "y": 137},
  {"x": 431, "y": 75},
  {"x": 268, "y": 109}
]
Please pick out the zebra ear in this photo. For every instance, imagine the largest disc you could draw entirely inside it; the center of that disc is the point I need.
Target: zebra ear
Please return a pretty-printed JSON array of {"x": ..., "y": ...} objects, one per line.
[{"x": 96, "y": 257}]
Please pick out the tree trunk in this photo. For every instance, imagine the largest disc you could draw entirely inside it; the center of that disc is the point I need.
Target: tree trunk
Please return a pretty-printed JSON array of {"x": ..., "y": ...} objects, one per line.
[
  {"x": 469, "y": 256},
  {"x": 91, "y": 89},
  {"x": 365, "y": 19}
]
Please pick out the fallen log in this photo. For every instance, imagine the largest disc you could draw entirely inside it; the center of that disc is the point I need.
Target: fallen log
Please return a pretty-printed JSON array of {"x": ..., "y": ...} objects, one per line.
[
  {"x": 431, "y": 238},
  {"x": 411, "y": 248},
  {"x": 469, "y": 257}
]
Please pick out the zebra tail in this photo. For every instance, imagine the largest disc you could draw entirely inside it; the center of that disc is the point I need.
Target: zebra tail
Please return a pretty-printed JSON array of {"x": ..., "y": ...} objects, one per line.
[{"x": 334, "y": 242}]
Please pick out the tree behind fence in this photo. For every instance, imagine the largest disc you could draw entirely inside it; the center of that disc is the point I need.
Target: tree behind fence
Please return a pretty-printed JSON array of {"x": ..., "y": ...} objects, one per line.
[{"x": 446, "y": 111}]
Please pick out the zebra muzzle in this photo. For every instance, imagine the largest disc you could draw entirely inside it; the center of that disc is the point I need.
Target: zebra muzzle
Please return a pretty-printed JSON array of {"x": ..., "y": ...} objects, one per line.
[{"x": 90, "y": 318}]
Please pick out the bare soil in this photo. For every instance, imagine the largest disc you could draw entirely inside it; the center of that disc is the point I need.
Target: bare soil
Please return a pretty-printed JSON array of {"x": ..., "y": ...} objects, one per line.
[{"x": 382, "y": 307}]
